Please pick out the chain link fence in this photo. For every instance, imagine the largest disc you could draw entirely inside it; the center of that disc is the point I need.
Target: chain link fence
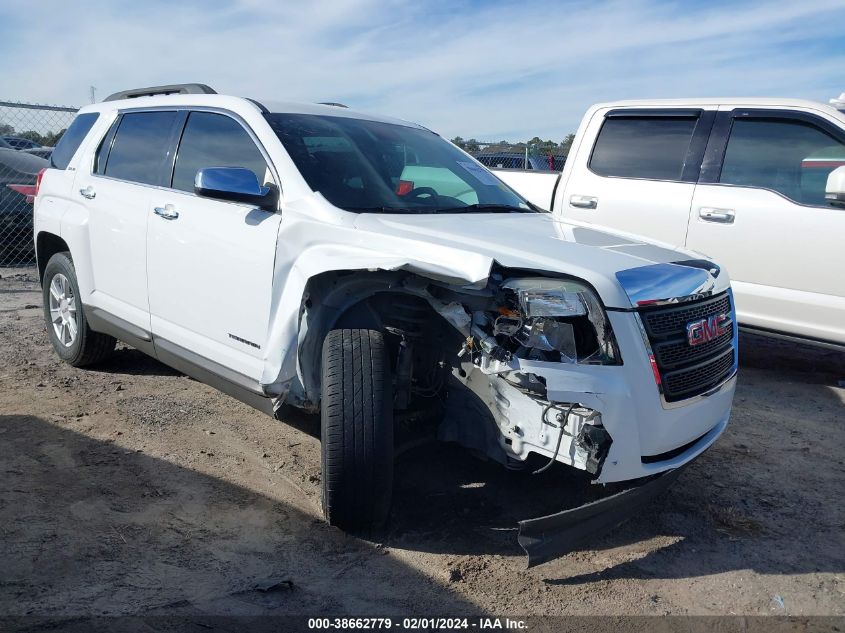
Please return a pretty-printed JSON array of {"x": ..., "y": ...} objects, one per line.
[
  {"x": 536, "y": 156},
  {"x": 28, "y": 133}
]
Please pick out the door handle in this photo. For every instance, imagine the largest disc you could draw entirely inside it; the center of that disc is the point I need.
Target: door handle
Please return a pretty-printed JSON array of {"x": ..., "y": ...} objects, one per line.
[
  {"x": 88, "y": 192},
  {"x": 722, "y": 216},
  {"x": 168, "y": 212},
  {"x": 583, "y": 202}
]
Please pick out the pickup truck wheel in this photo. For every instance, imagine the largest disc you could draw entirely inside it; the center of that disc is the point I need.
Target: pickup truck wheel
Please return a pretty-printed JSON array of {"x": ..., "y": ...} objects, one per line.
[
  {"x": 356, "y": 429},
  {"x": 67, "y": 326}
]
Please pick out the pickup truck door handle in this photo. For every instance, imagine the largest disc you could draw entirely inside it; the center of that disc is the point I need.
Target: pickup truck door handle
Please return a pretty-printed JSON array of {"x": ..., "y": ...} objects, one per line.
[
  {"x": 168, "y": 212},
  {"x": 722, "y": 216},
  {"x": 583, "y": 202},
  {"x": 88, "y": 192}
]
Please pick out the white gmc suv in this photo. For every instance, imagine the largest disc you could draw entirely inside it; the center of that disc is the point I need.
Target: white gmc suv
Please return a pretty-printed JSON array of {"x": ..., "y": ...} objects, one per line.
[
  {"x": 757, "y": 184},
  {"x": 368, "y": 269}
]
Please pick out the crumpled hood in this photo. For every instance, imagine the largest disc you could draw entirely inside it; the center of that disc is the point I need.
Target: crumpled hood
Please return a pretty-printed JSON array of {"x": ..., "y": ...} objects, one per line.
[{"x": 466, "y": 245}]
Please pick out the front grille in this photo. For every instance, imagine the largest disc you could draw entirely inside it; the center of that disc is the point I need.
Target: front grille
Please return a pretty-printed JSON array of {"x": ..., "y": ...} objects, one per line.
[
  {"x": 693, "y": 380},
  {"x": 664, "y": 321},
  {"x": 673, "y": 353},
  {"x": 687, "y": 370}
]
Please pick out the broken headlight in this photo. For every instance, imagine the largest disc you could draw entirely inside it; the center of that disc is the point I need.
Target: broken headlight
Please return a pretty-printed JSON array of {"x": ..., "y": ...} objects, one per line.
[{"x": 556, "y": 320}]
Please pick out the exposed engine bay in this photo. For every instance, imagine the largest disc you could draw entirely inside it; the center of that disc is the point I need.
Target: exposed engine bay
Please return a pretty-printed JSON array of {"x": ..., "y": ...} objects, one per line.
[{"x": 472, "y": 362}]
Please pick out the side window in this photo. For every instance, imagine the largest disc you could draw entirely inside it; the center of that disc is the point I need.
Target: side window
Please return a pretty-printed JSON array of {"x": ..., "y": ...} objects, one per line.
[
  {"x": 215, "y": 140},
  {"x": 643, "y": 147},
  {"x": 140, "y": 147},
  {"x": 102, "y": 154},
  {"x": 72, "y": 139},
  {"x": 791, "y": 157}
]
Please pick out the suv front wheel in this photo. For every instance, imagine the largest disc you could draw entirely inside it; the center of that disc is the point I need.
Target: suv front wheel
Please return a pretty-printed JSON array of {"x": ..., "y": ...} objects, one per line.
[
  {"x": 67, "y": 326},
  {"x": 356, "y": 429}
]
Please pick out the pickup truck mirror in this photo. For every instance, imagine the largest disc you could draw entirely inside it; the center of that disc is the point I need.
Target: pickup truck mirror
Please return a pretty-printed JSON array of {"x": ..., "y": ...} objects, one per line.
[
  {"x": 834, "y": 192},
  {"x": 235, "y": 184}
]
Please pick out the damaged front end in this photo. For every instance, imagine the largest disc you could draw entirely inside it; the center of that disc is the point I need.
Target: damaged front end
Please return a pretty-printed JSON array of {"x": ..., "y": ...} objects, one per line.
[
  {"x": 549, "y": 537},
  {"x": 522, "y": 369},
  {"x": 525, "y": 333}
]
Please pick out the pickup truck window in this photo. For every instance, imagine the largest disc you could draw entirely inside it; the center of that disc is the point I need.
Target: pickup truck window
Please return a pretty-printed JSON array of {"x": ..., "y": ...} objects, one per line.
[
  {"x": 140, "y": 146},
  {"x": 791, "y": 157},
  {"x": 643, "y": 147},
  {"x": 370, "y": 166},
  {"x": 214, "y": 140}
]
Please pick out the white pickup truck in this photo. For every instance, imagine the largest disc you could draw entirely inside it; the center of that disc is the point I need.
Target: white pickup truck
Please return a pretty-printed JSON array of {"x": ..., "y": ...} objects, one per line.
[
  {"x": 368, "y": 269},
  {"x": 756, "y": 184}
]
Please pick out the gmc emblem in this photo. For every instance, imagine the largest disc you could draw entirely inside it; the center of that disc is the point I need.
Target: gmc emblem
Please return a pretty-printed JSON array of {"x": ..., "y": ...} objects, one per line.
[{"x": 704, "y": 330}]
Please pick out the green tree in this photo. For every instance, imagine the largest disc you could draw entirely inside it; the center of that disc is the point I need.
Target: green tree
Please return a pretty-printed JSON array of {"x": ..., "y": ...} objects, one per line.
[
  {"x": 32, "y": 136},
  {"x": 6, "y": 129},
  {"x": 459, "y": 142}
]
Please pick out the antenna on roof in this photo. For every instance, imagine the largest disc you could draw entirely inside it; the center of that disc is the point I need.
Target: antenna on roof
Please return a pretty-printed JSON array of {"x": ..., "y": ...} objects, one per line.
[
  {"x": 172, "y": 89},
  {"x": 332, "y": 103}
]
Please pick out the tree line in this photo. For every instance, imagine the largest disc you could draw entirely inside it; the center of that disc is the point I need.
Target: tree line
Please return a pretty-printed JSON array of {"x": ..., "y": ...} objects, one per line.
[
  {"x": 48, "y": 140},
  {"x": 535, "y": 146}
]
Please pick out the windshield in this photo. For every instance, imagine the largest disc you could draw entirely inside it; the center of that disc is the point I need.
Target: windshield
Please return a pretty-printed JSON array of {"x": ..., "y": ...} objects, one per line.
[{"x": 370, "y": 166}]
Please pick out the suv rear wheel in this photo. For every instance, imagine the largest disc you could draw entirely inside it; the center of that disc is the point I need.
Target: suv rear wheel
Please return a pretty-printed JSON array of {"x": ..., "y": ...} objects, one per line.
[
  {"x": 356, "y": 429},
  {"x": 67, "y": 326}
]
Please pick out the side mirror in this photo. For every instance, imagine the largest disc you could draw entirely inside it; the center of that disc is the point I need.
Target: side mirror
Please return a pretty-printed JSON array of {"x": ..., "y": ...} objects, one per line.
[
  {"x": 235, "y": 184},
  {"x": 834, "y": 192}
]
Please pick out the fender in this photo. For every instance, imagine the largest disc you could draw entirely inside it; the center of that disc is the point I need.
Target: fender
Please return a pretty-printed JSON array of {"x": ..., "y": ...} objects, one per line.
[
  {"x": 62, "y": 215},
  {"x": 74, "y": 231},
  {"x": 289, "y": 326},
  {"x": 67, "y": 219},
  {"x": 341, "y": 248}
]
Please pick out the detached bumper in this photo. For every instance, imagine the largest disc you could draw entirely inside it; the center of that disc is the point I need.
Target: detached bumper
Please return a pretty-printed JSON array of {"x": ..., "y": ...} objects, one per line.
[{"x": 549, "y": 537}]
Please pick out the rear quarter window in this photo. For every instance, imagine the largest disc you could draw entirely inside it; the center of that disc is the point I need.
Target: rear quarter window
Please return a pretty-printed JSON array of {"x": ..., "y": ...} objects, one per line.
[{"x": 72, "y": 139}]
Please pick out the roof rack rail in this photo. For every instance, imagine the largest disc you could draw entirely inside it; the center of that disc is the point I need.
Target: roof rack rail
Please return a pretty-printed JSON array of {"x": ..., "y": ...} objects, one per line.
[{"x": 172, "y": 89}]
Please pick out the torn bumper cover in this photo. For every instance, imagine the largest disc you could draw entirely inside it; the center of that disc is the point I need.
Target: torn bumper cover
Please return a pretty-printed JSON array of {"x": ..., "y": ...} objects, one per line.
[{"x": 549, "y": 537}]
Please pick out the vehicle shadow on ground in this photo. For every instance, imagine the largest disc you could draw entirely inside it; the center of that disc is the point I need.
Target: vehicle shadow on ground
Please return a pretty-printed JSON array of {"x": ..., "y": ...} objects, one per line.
[
  {"x": 128, "y": 361},
  {"x": 805, "y": 363},
  {"x": 743, "y": 505},
  {"x": 92, "y": 528}
]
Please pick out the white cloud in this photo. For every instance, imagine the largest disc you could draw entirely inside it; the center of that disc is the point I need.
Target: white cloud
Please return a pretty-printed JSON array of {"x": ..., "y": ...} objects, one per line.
[{"x": 489, "y": 70}]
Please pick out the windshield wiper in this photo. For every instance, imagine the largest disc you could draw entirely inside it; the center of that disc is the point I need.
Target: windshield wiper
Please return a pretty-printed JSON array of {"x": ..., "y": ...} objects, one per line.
[
  {"x": 470, "y": 208},
  {"x": 484, "y": 208},
  {"x": 387, "y": 210}
]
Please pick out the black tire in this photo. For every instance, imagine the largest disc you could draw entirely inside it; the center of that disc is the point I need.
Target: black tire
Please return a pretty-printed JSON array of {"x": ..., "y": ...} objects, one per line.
[
  {"x": 356, "y": 430},
  {"x": 89, "y": 347}
]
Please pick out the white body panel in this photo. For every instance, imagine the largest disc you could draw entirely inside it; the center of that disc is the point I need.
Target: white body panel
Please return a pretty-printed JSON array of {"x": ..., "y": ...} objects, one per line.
[
  {"x": 786, "y": 258},
  {"x": 117, "y": 234},
  {"x": 217, "y": 257},
  {"x": 534, "y": 186},
  {"x": 652, "y": 208}
]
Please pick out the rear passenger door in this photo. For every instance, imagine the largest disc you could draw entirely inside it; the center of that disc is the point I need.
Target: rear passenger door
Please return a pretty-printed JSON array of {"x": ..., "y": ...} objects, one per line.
[
  {"x": 760, "y": 211},
  {"x": 210, "y": 262},
  {"x": 115, "y": 190},
  {"x": 640, "y": 174}
]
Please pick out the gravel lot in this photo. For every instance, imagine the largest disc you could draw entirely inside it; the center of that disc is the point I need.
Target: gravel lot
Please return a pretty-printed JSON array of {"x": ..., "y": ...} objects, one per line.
[{"x": 131, "y": 489}]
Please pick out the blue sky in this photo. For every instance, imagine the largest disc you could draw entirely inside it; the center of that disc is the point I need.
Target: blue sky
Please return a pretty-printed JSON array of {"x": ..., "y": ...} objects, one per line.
[{"x": 490, "y": 70}]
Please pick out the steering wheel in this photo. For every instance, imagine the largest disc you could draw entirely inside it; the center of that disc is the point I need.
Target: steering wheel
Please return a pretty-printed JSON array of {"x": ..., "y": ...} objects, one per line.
[{"x": 419, "y": 192}]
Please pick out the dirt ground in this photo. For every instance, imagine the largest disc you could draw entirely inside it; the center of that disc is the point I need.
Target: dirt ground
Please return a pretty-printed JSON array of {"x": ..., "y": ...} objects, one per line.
[{"x": 131, "y": 489}]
